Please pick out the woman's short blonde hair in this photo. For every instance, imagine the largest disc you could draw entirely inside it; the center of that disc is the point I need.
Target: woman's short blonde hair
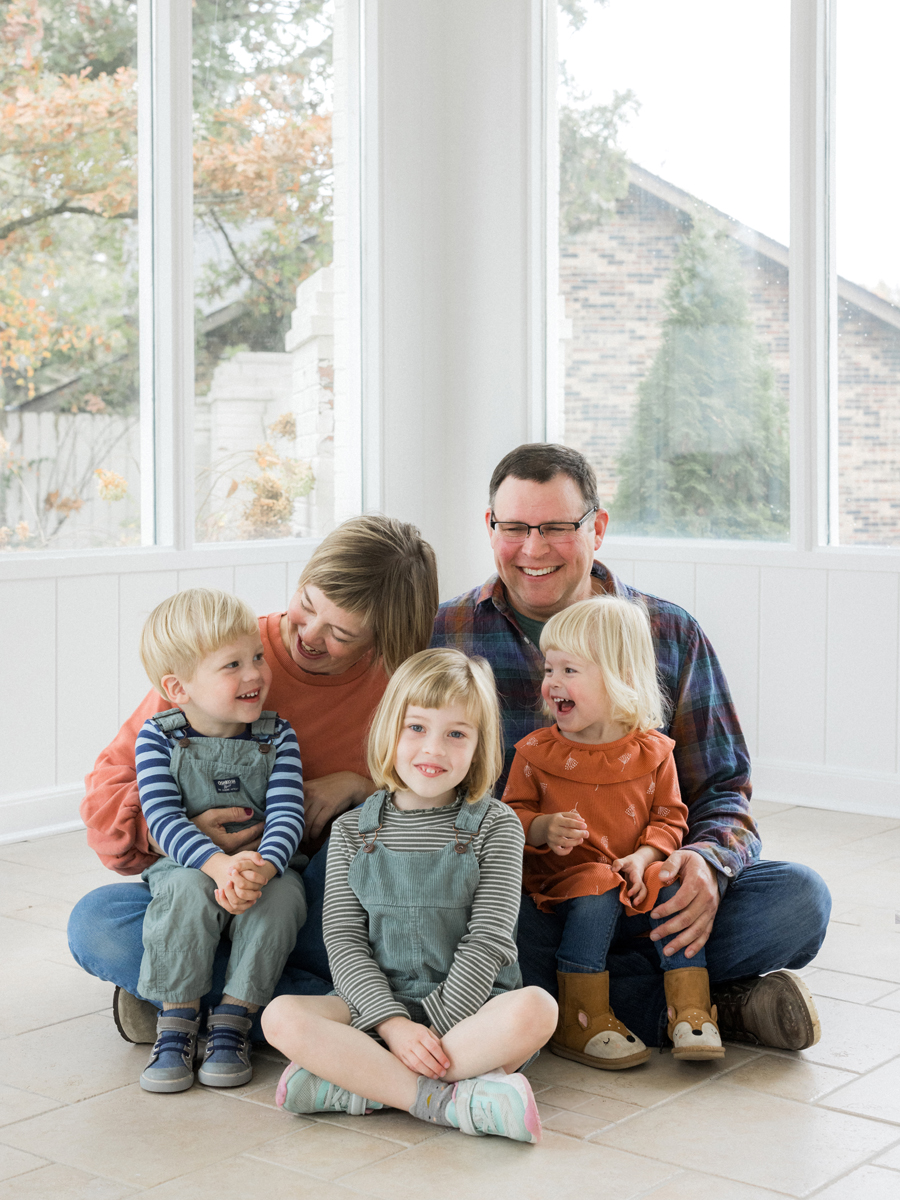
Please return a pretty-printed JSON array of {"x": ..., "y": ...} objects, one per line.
[
  {"x": 433, "y": 679},
  {"x": 181, "y": 631},
  {"x": 614, "y": 634},
  {"x": 383, "y": 571}
]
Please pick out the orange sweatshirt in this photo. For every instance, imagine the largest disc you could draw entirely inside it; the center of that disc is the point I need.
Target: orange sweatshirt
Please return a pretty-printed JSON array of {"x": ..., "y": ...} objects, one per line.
[
  {"x": 330, "y": 715},
  {"x": 626, "y": 791}
]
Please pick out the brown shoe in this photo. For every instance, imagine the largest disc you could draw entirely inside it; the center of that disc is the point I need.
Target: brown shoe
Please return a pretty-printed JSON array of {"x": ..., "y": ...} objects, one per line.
[
  {"x": 774, "y": 1010},
  {"x": 692, "y": 1020},
  {"x": 135, "y": 1019},
  {"x": 588, "y": 1030}
]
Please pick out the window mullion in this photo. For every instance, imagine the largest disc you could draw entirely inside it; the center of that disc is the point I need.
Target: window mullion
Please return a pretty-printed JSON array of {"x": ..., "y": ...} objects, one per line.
[
  {"x": 172, "y": 248},
  {"x": 809, "y": 291}
]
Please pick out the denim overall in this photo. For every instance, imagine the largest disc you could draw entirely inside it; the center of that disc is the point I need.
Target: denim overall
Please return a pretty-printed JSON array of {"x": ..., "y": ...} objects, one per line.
[
  {"x": 184, "y": 922},
  {"x": 419, "y": 904}
]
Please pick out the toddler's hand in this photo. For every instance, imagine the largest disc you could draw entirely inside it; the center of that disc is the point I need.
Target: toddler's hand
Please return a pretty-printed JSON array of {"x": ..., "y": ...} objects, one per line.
[
  {"x": 250, "y": 873},
  {"x": 565, "y": 831},
  {"x": 228, "y": 899},
  {"x": 632, "y": 868},
  {"x": 416, "y": 1046}
]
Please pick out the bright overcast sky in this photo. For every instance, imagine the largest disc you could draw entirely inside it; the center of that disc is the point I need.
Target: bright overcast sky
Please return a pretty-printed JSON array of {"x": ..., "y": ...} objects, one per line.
[{"x": 713, "y": 80}]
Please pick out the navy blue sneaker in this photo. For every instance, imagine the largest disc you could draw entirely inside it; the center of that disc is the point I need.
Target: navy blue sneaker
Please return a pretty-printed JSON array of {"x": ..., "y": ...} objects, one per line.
[
  {"x": 226, "y": 1062},
  {"x": 171, "y": 1065}
]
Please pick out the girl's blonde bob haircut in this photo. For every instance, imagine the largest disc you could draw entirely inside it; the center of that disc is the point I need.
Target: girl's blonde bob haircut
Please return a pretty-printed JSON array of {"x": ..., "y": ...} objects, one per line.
[
  {"x": 181, "y": 631},
  {"x": 433, "y": 679},
  {"x": 614, "y": 634},
  {"x": 383, "y": 571}
]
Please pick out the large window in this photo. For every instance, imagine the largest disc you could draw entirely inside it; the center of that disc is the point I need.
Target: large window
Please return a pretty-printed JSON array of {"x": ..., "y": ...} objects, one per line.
[
  {"x": 93, "y": 424},
  {"x": 866, "y": 308},
  {"x": 69, "y": 410},
  {"x": 674, "y": 224},
  {"x": 262, "y": 229}
]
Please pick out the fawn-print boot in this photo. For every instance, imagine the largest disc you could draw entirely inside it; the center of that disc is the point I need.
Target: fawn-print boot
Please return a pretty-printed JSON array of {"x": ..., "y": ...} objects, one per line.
[
  {"x": 692, "y": 1019},
  {"x": 588, "y": 1030}
]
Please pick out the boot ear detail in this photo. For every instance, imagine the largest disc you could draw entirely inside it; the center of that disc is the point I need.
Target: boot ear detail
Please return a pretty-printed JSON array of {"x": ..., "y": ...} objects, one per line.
[
  {"x": 692, "y": 1019},
  {"x": 588, "y": 1030}
]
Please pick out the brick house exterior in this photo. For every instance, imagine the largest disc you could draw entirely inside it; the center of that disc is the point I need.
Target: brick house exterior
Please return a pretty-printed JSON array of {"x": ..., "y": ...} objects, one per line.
[{"x": 613, "y": 278}]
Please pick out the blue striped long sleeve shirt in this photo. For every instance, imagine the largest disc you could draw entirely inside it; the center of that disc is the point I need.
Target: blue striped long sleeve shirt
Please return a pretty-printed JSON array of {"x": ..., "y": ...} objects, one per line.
[{"x": 179, "y": 838}]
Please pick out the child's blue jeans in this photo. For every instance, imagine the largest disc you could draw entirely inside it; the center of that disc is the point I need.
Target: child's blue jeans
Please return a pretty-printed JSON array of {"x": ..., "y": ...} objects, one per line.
[{"x": 591, "y": 923}]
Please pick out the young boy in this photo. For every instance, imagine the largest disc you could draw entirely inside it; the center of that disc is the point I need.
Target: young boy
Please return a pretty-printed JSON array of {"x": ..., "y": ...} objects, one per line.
[{"x": 217, "y": 748}]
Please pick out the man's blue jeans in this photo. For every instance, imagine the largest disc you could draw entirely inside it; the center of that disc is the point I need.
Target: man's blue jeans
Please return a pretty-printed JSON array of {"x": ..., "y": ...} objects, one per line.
[
  {"x": 105, "y": 938},
  {"x": 590, "y": 924},
  {"x": 773, "y": 915}
]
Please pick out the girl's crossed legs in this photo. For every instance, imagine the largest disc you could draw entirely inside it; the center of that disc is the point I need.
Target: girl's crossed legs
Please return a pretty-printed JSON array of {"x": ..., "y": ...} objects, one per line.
[{"x": 315, "y": 1032}]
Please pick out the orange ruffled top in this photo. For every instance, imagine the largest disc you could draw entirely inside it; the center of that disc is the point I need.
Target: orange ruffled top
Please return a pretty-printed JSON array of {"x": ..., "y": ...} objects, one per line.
[{"x": 626, "y": 791}]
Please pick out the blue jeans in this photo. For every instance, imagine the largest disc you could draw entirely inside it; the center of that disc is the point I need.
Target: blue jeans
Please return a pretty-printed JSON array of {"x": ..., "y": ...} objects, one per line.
[
  {"x": 591, "y": 924},
  {"x": 773, "y": 915},
  {"x": 105, "y": 938}
]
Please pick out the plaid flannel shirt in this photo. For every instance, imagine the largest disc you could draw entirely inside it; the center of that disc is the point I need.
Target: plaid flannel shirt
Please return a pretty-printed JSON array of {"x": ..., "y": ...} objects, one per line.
[{"x": 710, "y": 753}]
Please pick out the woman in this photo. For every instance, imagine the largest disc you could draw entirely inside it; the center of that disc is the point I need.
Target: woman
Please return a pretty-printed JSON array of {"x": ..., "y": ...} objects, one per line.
[{"x": 366, "y": 601}]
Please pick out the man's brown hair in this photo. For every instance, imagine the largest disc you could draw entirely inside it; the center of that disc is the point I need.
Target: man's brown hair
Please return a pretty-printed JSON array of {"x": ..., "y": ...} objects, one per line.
[{"x": 542, "y": 461}]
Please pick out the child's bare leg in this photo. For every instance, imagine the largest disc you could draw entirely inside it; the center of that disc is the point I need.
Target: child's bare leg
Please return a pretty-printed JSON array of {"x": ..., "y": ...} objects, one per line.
[
  {"x": 502, "y": 1034},
  {"x": 315, "y": 1033}
]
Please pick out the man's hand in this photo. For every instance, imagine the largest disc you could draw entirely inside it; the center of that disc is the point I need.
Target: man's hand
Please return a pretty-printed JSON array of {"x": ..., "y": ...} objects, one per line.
[
  {"x": 632, "y": 868},
  {"x": 562, "y": 832},
  {"x": 415, "y": 1045},
  {"x": 332, "y": 795},
  {"x": 693, "y": 907},
  {"x": 213, "y": 821}
]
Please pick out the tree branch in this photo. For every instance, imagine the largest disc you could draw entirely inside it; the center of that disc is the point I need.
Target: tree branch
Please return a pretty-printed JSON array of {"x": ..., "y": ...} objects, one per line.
[
  {"x": 22, "y": 222},
  {"x": 242, "y": 265}
]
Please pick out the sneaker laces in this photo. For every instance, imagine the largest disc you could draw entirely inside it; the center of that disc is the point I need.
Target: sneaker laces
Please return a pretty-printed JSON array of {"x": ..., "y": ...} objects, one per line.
[{"x": 224, "y": 1043}]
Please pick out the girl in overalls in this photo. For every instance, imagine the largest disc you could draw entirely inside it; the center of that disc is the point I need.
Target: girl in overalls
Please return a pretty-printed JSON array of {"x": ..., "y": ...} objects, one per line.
[{"x": 421, "y": 899}]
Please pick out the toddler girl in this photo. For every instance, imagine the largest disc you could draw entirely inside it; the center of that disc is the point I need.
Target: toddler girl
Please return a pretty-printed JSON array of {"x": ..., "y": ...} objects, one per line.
[
  {"x": 421, "y": 899},
  {"x": 598, "y": 797}
]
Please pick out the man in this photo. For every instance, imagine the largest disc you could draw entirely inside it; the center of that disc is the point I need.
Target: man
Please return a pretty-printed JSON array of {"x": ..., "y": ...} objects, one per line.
[{"x": 545, "y": 523}]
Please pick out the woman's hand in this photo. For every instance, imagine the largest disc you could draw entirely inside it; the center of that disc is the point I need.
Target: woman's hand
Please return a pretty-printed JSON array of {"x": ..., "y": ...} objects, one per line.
[
  {"x": 415, "y": 1045},
  {"x": 331, "y": 795},
  {"x": 213, "y": 822}
]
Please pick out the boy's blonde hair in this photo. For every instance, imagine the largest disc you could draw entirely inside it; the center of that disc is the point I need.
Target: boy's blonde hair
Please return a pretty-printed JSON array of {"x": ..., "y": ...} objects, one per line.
[
  {"x": 614, "y": 634},
  {"x": 181, "y": 631},
  {"x": 433, "y": 679},
  {"x": 384, "y": 571}
]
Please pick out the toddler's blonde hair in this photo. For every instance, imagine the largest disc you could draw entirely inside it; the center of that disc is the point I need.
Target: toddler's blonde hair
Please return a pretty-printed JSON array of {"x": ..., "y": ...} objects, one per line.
[
  {"x": 181, "y": 631},
  {"x": 614, "y": 634},
  {"x": 433, "y": 679}
]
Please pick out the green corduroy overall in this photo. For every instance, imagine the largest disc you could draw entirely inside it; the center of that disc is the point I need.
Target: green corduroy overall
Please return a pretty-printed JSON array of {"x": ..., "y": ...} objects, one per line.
[{"x": 184, "y": 923}]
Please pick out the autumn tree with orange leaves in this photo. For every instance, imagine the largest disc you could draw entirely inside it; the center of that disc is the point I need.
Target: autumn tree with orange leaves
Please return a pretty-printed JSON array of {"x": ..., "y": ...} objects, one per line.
[{"x": 68, "y": 201}]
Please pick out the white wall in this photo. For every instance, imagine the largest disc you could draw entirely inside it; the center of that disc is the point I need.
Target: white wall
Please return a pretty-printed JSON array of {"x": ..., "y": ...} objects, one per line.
[
  {"x": 451, "y": 374},
  {"x": 809, "y": 644}
]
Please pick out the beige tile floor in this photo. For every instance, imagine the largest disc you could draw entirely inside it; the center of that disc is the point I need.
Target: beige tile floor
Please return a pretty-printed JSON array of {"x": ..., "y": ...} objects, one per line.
[{"x": 826, "y": 1122}]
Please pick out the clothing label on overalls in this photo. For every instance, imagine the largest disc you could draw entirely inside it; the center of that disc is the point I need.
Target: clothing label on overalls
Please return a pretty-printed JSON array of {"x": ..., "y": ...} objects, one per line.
[{"x": 227, "y": 785}]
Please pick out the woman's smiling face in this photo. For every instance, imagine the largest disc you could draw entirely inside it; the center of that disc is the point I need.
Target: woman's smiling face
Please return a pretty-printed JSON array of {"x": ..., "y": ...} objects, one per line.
[{"x": 320, "y": 637}]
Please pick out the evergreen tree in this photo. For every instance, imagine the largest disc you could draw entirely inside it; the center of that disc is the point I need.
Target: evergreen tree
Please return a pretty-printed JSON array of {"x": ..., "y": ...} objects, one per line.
[{"x": 707, "y": 455}]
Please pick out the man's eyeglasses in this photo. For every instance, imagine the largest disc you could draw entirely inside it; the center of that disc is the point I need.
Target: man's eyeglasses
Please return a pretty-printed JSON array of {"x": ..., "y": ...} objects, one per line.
[{"x": 550, "y": 531}]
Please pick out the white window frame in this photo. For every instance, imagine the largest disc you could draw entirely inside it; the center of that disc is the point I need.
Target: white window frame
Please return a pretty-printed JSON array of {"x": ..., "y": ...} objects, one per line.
[
  {"x": 165, "y": 231},
  {"x": 813, "y": 328}
]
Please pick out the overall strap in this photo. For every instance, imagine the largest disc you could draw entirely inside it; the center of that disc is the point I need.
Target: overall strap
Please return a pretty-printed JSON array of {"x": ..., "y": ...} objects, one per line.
[
  {"x": 369, "y": 820},
  {"x": 468, "y": 822},
  {"x": 264, "y": 726},
  {"x": 171, "y": 719}
]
